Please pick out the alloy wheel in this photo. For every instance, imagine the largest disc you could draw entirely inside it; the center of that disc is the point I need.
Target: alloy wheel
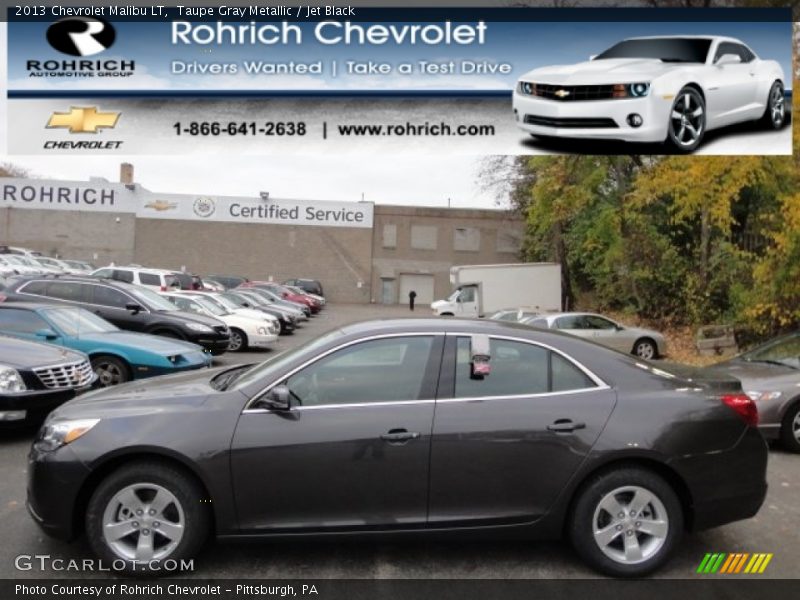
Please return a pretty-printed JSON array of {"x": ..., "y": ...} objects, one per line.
[
  {"x": 630, "y": 525},
  {"x": 108, "y": 374},
  {"x": 645, "y": 350},
  {"x": 143, "y": 522},
  {"x": 236, "y": 341},
  {"x": 777, "y": 106},
  {"x": 687, "y": 120},
  {"x": 796, "y": 426}
]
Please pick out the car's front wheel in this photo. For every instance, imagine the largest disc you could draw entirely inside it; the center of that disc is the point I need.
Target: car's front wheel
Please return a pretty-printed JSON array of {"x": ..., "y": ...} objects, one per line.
[
  {"x": 687, "y": 121},
  {"x": 626, "y": 522},
  {"x": 238, "y": 341},
  {"x": 645, "y": 349},
  {"x": 110, "y": 370},
  {"x": 790, "y": 429},
  {"x": 775, "y": 112},
  {"x": 146, "y": 513}
]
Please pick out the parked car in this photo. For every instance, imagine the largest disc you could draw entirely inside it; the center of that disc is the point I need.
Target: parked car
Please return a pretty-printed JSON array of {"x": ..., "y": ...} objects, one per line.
[
  {"x": 708, "y": 82},
  {"x": 25, "y": 265},
  {"x": 129, "y": 307},
  {"x": 229, "y": 281},
  {"x": 644, "y": 343},
  {"x": 301, "y": 311},
  {"x": 80, "y": 267},
  {"x": 228, "y": 305},
  {"x": 319, "y": 299},
  {"x": 770, "y": 375},
  {"x": 116, "y": 356},
  {"x": 513, "y": 315},
  {"x": 246, "y": 332},
  {"x": 18, "y": 251},
  {"x": 496, "y": 429},
  {"x": 284, "y": 293},
  {"x": 312, "y": 286},
  {"x": 188, "y": 281},
  {"x": 211, "y": 285},
  {"x": 288, "y": 322},
  {"x": 155, "y": 279},
  {"x": 35, "y": 378}
]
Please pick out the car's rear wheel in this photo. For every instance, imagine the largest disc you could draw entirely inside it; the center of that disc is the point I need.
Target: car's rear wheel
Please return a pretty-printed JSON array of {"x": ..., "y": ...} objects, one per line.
[
  {"x": 110, "y": 370},
  {"x": 790, "y": 429},
  {"x": 238, "y": 341},
  {"x": 775, "y": 112},
  {"x": 645, "y": 348},
  {"x": 626, "y": 522},
  {"x": 146, "y": 513},
  {"x": 687, "y": 120}
]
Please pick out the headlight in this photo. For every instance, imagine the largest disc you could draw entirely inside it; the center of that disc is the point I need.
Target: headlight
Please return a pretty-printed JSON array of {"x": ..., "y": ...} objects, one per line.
[
  {"x": 11, "y": 381},
  {"x": 631, "y": 90},
  {"x": 763, "y": 396},
  {"x": 60, "y": 433},
  {"x": 199, "y": 327},
  {"x": 526, "y": 88},
  {"x": 262, "y": 331}
]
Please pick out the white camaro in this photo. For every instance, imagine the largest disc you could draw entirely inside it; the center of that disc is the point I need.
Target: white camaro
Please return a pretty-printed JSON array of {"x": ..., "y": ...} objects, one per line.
[{"x": 654, "y": 89}]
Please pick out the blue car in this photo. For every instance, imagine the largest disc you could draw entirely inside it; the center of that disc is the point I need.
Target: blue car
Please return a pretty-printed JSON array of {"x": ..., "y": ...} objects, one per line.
[{"x": 117, "y": 356}]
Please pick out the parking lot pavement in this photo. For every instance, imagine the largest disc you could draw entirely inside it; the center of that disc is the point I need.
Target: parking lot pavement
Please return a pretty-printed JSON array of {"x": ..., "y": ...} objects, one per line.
[{"x": 775, "y": 529}]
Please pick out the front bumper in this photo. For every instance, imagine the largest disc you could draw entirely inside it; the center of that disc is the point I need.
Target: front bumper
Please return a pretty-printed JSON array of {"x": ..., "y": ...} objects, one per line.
[
  {"x": 35, "y": 402},
  {"x": 216, "y": 346},
  {"x": 604, "y": 119},
  {"x": 258, "y": 340}
]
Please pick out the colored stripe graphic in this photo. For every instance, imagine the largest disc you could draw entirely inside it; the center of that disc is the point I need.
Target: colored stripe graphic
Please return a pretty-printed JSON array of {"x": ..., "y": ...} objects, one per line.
[{"x": 723, "y": 563}]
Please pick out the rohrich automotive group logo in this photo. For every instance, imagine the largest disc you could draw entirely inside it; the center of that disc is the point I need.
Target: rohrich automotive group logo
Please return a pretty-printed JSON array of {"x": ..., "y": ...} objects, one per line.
[
  {"x": 81, "y": 36},
  {"x": 735, "y": 563}
]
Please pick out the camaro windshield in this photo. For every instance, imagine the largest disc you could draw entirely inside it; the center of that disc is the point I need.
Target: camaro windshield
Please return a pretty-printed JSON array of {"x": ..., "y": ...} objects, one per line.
[
  {"x": 681, "y": 50},
  {"x": 76, "y": 321}
]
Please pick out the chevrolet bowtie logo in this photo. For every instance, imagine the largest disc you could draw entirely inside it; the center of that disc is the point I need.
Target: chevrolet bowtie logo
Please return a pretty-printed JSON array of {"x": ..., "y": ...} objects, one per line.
[
  {"x": 562, "y": 93},
  {"x": 83, "y": 120}
]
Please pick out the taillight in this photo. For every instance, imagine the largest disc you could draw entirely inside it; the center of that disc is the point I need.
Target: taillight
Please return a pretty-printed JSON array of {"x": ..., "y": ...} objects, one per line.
[
  {"x": 163, "y": 288},
  {"x": 3, "y": 297},
  {"x": 744, "y": 407}
]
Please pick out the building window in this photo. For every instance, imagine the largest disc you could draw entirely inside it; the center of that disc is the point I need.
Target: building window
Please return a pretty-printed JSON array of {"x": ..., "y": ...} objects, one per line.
[
  {"x": 390, "y": 236},
  {"x": 423, "y": 237},
  {"x": 467, "y": 239},
  {"x": 509, "y": 242}
]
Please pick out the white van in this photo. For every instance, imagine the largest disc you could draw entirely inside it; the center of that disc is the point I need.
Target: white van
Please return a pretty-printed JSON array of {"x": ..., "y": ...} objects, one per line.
[{"x": 159, "y": 280}]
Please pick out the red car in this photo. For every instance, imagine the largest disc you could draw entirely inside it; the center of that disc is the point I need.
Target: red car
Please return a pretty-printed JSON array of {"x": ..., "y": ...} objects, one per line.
[{"x": 285, "y": 293}]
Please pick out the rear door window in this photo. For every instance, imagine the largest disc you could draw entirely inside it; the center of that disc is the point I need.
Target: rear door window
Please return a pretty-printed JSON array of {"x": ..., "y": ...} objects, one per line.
[
  {"x": 107, "y": 296},
  {"x": 67, "y": 290},
  {"x": 37, "y": 288}
]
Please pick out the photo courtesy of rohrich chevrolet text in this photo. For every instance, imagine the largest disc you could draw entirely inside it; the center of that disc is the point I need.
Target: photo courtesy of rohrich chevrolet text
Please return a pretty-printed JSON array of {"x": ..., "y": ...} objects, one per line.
[{"x": 480, "y": 299}]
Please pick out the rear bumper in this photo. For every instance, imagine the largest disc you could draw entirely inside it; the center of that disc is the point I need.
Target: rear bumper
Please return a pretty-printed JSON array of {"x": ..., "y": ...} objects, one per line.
[{"x": 727, "y": 486}]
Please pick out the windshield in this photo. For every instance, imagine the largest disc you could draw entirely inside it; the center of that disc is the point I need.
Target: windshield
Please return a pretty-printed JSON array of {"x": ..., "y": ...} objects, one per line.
[
  {"x": 152, "y": 299},
  {"x": 75, "y": 321},
  {"x": 785, "y": 351},
  {"x": 253, "y": 298},
  {"x": 14, "y": 260},
  {"x": 452, "y": 297},
  {"x": 212, "y": 307},
  {"x": 225, "y": 302},
  {"x": 681, "y": 50}
]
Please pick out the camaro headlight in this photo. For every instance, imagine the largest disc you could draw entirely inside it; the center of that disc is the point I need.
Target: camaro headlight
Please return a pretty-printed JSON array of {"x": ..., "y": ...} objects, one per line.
[
  {"x": 762, "y": 396},
  {"x": 631, "y": 90},
  {"x": 199, "y": 327},
  {"x": 60, "y": 433},
  {"x": 11, "y": 381},
  {"x": 526, "y": 88}
]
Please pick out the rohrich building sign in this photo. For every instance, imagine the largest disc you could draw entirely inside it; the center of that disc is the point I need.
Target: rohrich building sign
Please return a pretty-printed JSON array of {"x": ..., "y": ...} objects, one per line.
[{"x": 102, "y": 196}]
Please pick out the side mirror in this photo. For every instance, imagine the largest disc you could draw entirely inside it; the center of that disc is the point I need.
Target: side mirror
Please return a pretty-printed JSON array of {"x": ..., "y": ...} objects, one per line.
[
  {"x": 133, "y": 308},
  {"x": 279, "y": 398},
  {"x": 729, "y": 59},
  {"x": 47, "y": 334}
]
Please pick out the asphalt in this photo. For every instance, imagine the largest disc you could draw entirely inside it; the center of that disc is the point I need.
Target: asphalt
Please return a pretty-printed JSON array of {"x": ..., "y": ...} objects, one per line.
[{"x": 776, "y": 528}]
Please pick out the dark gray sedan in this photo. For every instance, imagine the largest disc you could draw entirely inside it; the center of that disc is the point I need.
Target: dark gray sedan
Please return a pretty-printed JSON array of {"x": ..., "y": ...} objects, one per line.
[
  {"x": 770, "y": 375},
  {"x": 405, "y": 428}
]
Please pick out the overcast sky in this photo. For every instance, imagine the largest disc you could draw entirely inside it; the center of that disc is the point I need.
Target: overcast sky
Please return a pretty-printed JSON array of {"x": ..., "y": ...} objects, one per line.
[{"x": 422, "y": 181}]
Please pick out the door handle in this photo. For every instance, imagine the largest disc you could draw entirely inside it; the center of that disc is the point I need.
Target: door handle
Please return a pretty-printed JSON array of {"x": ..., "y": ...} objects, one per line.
[
  {"x": 399, "y": 436},
  {"x": 565, "y": 426}
]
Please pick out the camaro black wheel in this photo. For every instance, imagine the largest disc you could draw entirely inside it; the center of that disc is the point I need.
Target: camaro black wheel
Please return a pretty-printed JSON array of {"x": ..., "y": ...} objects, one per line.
[
  {"x": 775, "y": 112},
  {"x": 645, "y": 349},
  {"x": 687, "y": 120},
  {"x": 146, "y": 512},
  {"x": 110, "y": 370},
  {"x": 626, "y": 522},
  {"x": 790, "y": 429},
  {"x": 238, "y": 341}
]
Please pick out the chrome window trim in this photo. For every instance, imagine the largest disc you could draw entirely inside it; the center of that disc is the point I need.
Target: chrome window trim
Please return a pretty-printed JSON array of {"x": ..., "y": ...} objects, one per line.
[
  {"x": 600, "y": 384},
  {"x": 257, "y": 397}
]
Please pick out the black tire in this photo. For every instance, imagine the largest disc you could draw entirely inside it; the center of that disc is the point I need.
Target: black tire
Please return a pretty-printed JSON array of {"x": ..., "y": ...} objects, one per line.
[
  {"x": 774, "y": 115},
  {"x": 110, "y": 370},
  {"x": 238, "y": 341},
  {"x": 790, "y": 438},
  {"x": 679, "y": 131},
  {"x": 190, "y": 496},
  {"x": 581, "y": 523},
  {"x": 645, "y": 348}
]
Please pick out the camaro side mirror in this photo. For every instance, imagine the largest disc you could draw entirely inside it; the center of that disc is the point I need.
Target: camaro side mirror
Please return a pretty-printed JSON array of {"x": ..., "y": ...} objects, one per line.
[
  {"x": 279, "y": 398},
  {"x": 47, "y": 334},
  {"x": 133, "y": 308},
  {"x": 729, "y": 59}
]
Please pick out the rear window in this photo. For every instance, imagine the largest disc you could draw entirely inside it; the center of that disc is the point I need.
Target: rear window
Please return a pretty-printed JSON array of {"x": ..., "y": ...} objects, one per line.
[
  {"x": 126, "y": 276},
  {"x": 34, "y": 287}
]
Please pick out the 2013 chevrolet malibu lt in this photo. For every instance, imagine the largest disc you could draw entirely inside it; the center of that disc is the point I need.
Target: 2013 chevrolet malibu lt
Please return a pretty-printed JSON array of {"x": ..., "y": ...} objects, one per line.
[
  {"x": 405, "y": 428},
  {"x": 654, "y": 89}
]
